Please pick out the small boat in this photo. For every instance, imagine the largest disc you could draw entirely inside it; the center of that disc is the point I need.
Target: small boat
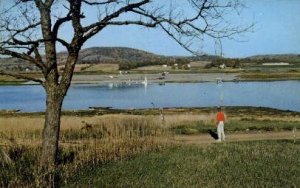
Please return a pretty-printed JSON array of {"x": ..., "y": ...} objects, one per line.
[{"x": 145, "y": 82}]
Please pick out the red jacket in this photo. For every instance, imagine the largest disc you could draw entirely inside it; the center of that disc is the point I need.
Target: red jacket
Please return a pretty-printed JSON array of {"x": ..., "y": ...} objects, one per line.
[{"x": 220, "y": 117}]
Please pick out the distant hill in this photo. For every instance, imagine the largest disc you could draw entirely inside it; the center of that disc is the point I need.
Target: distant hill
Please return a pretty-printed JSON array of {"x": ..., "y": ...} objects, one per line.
[
  {"x": 119, "y": 55},
  {"x": 280, "y": 57},
  {"x": 129, "y": 58},
  {"x": 124, "y": 54},
  {"x": 98, "y": 55}
]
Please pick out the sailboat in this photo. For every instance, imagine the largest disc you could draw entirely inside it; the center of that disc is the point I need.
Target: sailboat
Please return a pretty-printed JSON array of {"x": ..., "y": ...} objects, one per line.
[{"x": 145, "y": 82}]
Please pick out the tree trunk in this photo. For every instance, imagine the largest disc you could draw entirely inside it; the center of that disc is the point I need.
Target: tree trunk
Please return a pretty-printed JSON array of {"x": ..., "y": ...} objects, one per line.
[{"x": 51, "y": 128}]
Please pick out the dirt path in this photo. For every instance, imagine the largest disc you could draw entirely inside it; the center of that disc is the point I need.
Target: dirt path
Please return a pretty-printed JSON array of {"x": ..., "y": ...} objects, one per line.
[{"x": 236, "y": 137}]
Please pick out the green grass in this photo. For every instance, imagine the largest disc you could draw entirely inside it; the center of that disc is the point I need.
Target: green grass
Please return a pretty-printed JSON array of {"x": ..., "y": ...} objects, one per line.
[
  {"x": 9, "y": 83},
  {"x": 245, "y": 164},
  {"x": 258, "y": 75},
  {"x": 198, "y": 127},
  {"x": 262, "y": 125}
]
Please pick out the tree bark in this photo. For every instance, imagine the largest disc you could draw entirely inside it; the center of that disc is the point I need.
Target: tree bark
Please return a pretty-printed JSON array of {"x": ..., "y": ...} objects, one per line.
[
  {"x": 51, "y": 128},
  {"x": 56, "y": 92}
]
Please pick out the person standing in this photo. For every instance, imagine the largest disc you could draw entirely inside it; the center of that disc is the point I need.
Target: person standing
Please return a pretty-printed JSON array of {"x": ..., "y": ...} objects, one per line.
[{"x": 220, "y": 125}]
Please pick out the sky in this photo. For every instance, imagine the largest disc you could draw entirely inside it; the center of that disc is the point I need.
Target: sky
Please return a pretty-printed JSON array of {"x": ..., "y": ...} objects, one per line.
[{"x": 276, "y": 31}]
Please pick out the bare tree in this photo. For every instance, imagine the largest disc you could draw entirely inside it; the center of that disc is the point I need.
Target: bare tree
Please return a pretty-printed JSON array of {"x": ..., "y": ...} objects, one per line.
[{"x": 31, "y": 30}]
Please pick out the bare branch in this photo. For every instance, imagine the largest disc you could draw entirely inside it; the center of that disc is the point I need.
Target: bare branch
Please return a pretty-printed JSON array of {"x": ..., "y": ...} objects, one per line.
[
  {"x": 64, "y": 43},
  {"x": 59, "y": 22},
  {"x": 16, "y": 54},
  {"x": 99, "y": 3},
  {"x": 38, "y": 59},
  {"x": 141, "y": 23},
  {"x": 92, "y": 29},
  {"x": 185, "y": 46},
  {"x": 30, "y": 26},
  {"x": 24, "y": 43},
  {"x": 26, "y": 57},
  {"x": 21, "y": 76},
  {"x": 75, "y": 9}
]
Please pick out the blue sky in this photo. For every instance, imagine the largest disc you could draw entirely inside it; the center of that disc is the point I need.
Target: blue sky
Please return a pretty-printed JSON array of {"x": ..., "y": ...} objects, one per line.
[{"x": 276, "y": 31}]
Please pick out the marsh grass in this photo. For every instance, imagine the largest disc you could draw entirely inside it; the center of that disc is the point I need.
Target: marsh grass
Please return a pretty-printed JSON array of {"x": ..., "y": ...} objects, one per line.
[
  {"x": 89, "y": 141},
  {"x": 85, "y": 142}
]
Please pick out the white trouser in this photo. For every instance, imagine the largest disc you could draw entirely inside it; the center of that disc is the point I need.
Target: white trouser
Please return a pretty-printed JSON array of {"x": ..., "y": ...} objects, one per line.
[{"x": 220, "y": 129}]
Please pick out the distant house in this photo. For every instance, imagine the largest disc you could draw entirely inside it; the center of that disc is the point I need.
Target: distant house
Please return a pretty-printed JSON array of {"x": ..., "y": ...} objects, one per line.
[
  {"x": 165, "y": 66},
  {"x": 222, "y": 66},
  {"x": 189, "y": 66}
]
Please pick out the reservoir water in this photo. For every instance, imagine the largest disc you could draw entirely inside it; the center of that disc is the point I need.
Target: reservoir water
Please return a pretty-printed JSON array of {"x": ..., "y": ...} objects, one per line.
[{"x": 283, "y": 95}]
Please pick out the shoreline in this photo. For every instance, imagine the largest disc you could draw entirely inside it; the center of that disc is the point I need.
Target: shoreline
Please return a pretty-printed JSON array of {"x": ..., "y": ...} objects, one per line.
[
  {"x": 105, "y": 79},
  {"x": 156, "y": 111},
  {"x": 152, "y": 78}
]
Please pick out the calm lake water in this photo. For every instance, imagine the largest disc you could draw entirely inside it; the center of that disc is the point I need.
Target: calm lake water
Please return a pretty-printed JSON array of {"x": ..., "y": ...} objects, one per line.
[{"x": 279, "y": 94}]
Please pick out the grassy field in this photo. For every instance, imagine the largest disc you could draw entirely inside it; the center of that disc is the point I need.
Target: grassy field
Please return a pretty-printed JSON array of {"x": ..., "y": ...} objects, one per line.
[
  {"x": 247, "y": 164},
  {"x": 121, "y": 148},
  {"x": 105, "y": 68}
]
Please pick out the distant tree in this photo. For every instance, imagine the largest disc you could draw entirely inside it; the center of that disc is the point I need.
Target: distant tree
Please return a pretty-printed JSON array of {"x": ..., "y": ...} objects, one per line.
[{"x": 31, "y": 30}]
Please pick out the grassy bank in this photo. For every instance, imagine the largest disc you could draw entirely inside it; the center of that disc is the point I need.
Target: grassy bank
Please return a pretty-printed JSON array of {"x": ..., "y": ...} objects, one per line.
[
  {"x": 94, "y": 140},
  {"x": 247, "y": 164},
  {"x": 270, "y": 76}
]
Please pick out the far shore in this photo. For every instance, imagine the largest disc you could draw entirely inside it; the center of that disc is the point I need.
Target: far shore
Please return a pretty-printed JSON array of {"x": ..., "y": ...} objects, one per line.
[
  {"x": 104, "y": 79},
  {"x": 152, "y": 78}
]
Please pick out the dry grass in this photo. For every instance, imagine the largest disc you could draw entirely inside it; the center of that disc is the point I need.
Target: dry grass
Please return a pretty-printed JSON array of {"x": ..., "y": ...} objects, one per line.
[
  {"x": 8, "y": 124},
  {"x": 21, "y": 123},
  {"x": 84, "y": 141},
  {"x": 76, "y": 127},
  {"x": 173, "y": 120}
]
